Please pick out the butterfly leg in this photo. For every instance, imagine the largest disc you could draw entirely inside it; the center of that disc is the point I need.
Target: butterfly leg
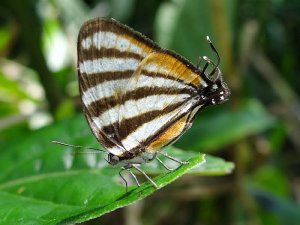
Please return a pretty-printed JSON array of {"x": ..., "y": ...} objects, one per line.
[
  {"x": 148, "y": 178},
  {"x": 172, "y": 158},
  {"x": 131, "y": 173},
  {"x": 134, "y": 177},
  {"x": 125, "y": 181},
  {"x": 164, "y": 165},
  {"x": 120, "y": 174}
]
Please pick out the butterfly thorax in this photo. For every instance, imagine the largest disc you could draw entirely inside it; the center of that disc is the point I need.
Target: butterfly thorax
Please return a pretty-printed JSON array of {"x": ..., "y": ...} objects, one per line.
[{"x": 141, "y": 158}]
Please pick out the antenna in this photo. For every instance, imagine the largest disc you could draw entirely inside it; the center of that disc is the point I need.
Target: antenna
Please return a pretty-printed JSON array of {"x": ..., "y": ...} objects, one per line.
[
  {"x": 206, "y": 64},
  {"x": 78, "y": 146},
  {"x": 217, "y": 54}
]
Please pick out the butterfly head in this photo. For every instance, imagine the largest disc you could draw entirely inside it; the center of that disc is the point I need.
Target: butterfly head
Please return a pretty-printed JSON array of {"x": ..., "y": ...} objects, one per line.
[
  {"x": 216, "y": 90},
  {"x": 129, "y": 158}
]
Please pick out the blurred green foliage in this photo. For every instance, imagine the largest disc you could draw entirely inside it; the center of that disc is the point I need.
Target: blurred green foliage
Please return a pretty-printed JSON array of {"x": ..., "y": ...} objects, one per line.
[{"x": 258, "y": 129}]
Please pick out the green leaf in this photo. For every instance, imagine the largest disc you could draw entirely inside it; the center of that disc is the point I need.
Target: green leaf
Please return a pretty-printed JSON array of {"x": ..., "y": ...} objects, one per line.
[
  {"x": 263, "y": 178},
  {"x": 213, "y": 165},
  {"x": 5, "y": 36},
  {"x": 217, "y": 129},
  {"x": 282, "y": 209},
  {"x": 74, "y": 196},
  {"x": 43, "y": 183}
]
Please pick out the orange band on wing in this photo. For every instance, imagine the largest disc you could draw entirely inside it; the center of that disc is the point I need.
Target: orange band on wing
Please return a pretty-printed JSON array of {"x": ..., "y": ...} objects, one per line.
[
  {"x": 171, "y": 133},
  {"x": 138, "y": 43},
  {"x": 173, "y": 67}
]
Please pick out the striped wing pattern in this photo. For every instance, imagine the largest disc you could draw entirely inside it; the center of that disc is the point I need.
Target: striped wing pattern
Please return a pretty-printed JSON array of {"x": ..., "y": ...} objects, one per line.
[{"x": 136, "y": 96}]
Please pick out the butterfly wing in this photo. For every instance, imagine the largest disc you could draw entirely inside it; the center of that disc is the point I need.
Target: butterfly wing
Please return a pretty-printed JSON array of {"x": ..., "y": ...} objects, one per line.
[
  {"x": 136, "y": 96},
  {"x": 108, "y": 55}
]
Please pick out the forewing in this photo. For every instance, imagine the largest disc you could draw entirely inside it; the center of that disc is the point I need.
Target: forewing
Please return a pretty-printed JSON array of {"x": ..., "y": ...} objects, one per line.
[
  {"x": 108, "y": 55},
  {"x": 135, "y": 95}
]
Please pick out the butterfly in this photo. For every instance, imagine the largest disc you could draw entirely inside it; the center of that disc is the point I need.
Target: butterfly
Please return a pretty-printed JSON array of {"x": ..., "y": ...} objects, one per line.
[{"x": 138, "y": 97}]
